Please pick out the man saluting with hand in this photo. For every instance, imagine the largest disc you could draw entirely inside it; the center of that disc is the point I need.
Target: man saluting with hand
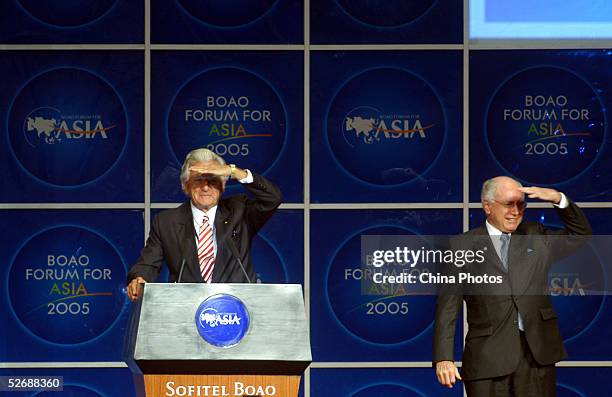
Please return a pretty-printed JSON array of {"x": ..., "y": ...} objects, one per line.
[
  {"x": 513, "y": 339},
  {"x": 207, "y": 239}
]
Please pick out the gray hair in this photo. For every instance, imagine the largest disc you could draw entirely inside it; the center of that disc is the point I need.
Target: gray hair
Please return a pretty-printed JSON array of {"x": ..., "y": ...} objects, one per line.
[
  {"x": 197, "y": 156},
  {"x": 489, "y": 187}
]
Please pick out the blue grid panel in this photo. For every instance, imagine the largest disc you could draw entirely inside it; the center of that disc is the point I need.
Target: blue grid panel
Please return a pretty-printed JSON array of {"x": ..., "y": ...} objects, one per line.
[
  {"x": 69, "y": 93},
  {"x": 366, "y": 111},
  {"x": 514, "y": 133},
  {"x": 583, "y": 382},
  {"x": 71, "y": 22},
  {"x": 37, "y": 326},
  {"x": 406, "y": 382},
  {"x": 585, "y": 321},
  {"x": 83, "y": 382},
  {"x": 386, "y": 22},
  {"x": 270, "y": 81},
  {"x": 277, "y": 251},
  {"x": 341, "y": 329},
  {"x": 235, "y": 22}
]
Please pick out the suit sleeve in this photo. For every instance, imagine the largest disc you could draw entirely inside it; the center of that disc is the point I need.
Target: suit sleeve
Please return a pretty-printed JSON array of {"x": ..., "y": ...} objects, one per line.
[
  {"x": 448, "y": 306},
  {"x": 447, "y": 311},
  {"x": 266, "y": 199},
  {"x": 151, "y": 257},
  {"x": 576, "y": 223},
  {"x": 564, "y": 242}
]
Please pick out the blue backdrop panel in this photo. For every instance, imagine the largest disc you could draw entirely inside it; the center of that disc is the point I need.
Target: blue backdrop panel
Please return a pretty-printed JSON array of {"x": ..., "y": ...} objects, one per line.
[
  {"x": 234, "y": 21},
  {"x": 72, "y": 127},
  {"x": 385, "y": 21},
  {"x": 408, "y": 382},
  {"x": 277, "y": 250},
  {"x": 64, "y": 283},
  {"x": 386, "y": 126},
  {"x": 541, "y": 117},
  {"x": 585, "y": 320},
  {"x": 71, "y": 21},
  {"x": 247, "y": 107},
  {"x": 584, "y": 382},
  {"x": 84, "y": 382},
  {"x": 344, "y": 324}
]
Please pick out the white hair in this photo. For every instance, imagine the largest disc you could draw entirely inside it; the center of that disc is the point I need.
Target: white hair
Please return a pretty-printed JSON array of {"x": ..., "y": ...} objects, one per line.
[
  {"x": 198, "y": 156},
  {"x": 489, "y": 187}
]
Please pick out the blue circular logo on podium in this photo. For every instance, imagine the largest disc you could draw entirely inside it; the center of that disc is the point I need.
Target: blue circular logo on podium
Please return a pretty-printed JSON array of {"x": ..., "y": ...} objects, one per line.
[
  {"x": 386, "y": 126},
  {"x": 222, "y": 320}
]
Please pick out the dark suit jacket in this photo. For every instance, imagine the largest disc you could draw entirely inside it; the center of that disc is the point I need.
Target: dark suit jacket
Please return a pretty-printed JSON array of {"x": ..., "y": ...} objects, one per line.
[
  {"x": 238, "y": 218},
  {"x": 492, "y": 345}
]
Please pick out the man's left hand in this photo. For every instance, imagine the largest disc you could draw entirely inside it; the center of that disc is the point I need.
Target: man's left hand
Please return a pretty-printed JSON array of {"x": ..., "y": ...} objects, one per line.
[{"x": 542, "y": 193}]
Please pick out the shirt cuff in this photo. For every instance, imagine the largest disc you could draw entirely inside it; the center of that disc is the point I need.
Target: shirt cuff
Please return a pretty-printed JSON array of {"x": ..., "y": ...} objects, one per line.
[
  {"x": 249, "y": 177},
  {"x": 563, "y": 203}
]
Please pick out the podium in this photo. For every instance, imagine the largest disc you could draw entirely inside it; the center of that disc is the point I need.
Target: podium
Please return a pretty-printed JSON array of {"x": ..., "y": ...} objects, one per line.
[{"x": 220, "y": 339}]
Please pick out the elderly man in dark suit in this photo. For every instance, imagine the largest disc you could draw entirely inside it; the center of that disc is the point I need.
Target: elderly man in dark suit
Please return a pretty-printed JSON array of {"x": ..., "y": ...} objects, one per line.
[
  {"x": 207, "y": 239},
  {"x": 513, "y": 339}
]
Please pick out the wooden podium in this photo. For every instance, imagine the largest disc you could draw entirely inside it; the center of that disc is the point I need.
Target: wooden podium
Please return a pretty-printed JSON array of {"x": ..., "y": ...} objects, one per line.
[{"x": 170, "y": 340}]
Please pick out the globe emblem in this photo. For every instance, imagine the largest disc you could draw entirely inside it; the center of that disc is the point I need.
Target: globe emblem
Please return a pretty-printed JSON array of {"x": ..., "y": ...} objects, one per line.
[
  {"x": 360, "y": 126},
  {"x": 222, "y": 320},
  {"x": 42, "y": 125}
]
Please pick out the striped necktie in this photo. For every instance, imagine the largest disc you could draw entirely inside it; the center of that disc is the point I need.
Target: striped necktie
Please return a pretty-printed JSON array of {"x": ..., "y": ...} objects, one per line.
[{"x": 206, "y": 250}]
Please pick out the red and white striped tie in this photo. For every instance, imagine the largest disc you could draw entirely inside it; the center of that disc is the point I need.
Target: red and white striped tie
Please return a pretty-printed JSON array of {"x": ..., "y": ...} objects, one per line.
[{"x": 206, "y": 250}]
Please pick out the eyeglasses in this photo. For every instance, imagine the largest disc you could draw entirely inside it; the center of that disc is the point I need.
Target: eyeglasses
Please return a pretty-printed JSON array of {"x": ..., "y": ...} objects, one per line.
[{"x": 520, "y": 205}]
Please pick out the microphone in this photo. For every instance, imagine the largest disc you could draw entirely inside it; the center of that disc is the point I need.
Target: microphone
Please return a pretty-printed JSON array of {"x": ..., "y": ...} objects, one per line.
[
  {"x": 234, "y": 250},
  {"x": 180, "y": 276}
]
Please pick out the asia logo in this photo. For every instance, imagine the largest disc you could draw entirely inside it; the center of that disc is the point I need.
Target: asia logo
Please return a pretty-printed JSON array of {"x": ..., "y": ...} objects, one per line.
[
  {"x": 568, "y": 284},
  {"x": 211, "y": 318},
  {"x": 374, "y": 312},
  {"x": 64, "y": 285},
  {"x": 50, "y": 126},
  {"x": 578, "y": 285},
  {"x": 386, "y": 139},
  {"x": 545, "y": 118},
  {"x": 222, "y": 320},
  {"x": 231, "y": 111},
  {"x": 66, "y": 120},
  {"x": 369, "y": 126}
]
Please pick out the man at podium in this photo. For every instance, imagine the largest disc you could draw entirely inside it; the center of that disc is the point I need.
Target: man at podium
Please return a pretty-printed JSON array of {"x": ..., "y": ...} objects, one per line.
[{"x": 207, "y": 239}]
